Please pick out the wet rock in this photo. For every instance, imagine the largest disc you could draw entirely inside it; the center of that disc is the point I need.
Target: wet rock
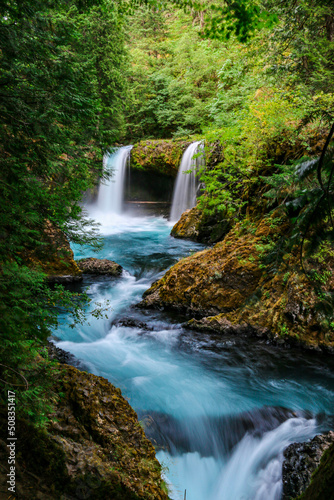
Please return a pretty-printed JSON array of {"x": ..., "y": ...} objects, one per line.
[
  {"x": 107, "y": 267},
  {"x": 322, "y": 481},
  {"x": 131, "y": 323},
  {"x": 64, "y": 279},
  {"x": 63, "y": 357},
  {"x": 159, "y": 155},
  {"x": 229, "y": 289},
  {"x": 300, "y": 462},
  {"x": 188, "y": 225},
  {"x": 213, "y": 435}
]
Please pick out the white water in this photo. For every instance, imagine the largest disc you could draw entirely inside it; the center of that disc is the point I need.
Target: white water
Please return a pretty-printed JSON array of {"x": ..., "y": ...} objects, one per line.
[
  {"x": 110, "y": 196},
  {"x": 185, "y": 190},
  {"x": 185, "y": 382}
]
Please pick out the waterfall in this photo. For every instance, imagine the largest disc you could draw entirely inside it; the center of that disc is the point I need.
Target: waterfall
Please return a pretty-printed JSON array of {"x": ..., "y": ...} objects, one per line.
[
  {"x": 111, "y": 193},
  {"x": 184, "y": 196}
]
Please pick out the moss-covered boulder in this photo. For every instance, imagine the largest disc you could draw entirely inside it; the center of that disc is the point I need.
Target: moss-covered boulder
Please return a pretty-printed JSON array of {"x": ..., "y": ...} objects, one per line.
[
  {"x": 196, "y": 226},
  {"x": 106, "y": 267},
  {"x": 161, "y": 156},
  {"x": 94, "y": 447},
  {"x": 54, "y": 256},
  {"x": 188, "y": 225},
  {"x": 232, "y": 287}
]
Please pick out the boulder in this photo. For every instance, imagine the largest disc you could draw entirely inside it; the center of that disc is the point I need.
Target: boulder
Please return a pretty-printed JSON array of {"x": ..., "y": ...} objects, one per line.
[
  {"x": 93, "y": 447},
  {"x": 188, "y": 225},
  {"x": 242, "y": 286},
  {"x": 300, "y": 462},
  {"x": 99, "y": 266}
]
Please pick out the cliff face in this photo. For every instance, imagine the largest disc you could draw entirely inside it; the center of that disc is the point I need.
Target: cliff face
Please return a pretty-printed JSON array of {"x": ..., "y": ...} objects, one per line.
[
  {"x": 228, "y": 288},
  {"x": 94, "y": 447},
  {"x": 160, "y": 156}
]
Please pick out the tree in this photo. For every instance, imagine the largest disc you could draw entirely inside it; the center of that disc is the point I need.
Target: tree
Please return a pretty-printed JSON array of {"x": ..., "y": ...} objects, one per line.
[{"x": 55, "y": 105}]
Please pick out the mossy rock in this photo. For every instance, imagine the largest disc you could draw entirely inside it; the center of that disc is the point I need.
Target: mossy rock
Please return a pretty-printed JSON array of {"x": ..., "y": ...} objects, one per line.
[
  {"x": 188, "y": 225},
  {"x": 161, "y": 156},
  {"x": 106, "y": 267},
  {"x": 54, "y": 256},
  {"x": 230, "y": 286},
  {"x": 322, "y": 481},
  {"x": 94, "y": 447}
]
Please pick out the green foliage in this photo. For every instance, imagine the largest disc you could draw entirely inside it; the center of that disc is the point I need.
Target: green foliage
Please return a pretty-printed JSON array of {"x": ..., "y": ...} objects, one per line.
[
  {"x": 58, "y": 104},
  {"x": 172, "y": 74}
]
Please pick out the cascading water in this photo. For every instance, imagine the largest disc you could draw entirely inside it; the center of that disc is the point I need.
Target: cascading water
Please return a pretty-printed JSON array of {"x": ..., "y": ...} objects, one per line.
[
  {"x": 184, "y": 196},
  {"x": 219, "y": 409},
  {"x": 110, "y": 196}
]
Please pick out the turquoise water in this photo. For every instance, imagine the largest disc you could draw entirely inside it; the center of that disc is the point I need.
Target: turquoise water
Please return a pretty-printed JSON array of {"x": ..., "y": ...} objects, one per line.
[{"x": 212, "y": 404}]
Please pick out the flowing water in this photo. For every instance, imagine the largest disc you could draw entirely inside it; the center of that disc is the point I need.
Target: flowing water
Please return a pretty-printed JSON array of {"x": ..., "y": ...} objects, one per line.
[
  {"x": 110, "y": 196},
  {"x": 185, "y": 190},
  {"x": 220, "y": 410}
]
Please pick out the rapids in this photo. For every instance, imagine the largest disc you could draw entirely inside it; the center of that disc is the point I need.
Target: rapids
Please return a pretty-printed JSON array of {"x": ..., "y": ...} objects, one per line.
[{"x": 220, "y": 410}]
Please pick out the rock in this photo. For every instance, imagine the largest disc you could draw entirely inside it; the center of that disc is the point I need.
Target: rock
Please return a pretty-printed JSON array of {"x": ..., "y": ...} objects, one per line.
[
  {"x": 66, "y": 278},
  {"x": 220, "y": 324},
  {"x": 229, "y": 289},
  {"x": 54, "y": 257},
  {"x": 94, "y": 447},
  {"x": 300, "y": 462},
  {"x": 322, "y": 481},
  {"x": 159, "y": 155},
  {"x": 131, "y": 323},
  {"x": 99, "y": 266},
  {"x": 64, "y": 357},
  {"x": 196, "y": 226},
  {"x": 188, "y": 225},
  {"x": 216, "y": 280},
  {"x": 177, "y": 436}
]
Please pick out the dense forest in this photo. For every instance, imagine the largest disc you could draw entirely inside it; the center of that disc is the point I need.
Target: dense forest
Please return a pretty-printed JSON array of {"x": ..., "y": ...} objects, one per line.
[{"x": 251, "y": 79}]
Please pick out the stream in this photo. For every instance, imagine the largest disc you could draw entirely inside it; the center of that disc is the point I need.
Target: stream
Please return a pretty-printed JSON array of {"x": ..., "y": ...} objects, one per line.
[{"x": 219, "y": 409}]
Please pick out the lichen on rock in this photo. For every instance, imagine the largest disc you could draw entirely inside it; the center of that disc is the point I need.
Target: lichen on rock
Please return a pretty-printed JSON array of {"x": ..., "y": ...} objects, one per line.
[{"x": 91, "y": 265}]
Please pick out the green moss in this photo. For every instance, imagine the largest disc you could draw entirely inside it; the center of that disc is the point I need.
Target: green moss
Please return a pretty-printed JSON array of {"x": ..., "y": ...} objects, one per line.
[
  {"x": 162, "y": 156},
  {"x": 322, "y": 481}
]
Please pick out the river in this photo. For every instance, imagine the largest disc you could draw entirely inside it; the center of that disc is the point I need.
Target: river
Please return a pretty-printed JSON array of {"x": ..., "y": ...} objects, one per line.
[{"x": 221, "y": 410}]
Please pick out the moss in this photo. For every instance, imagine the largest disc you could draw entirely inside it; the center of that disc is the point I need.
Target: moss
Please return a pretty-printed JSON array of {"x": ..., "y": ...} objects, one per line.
[
  {"x": 162, "y": 156},
  {"x": 233, "y": 281},
  {"x": 54, "y": 257},
  {"x": 322, "y": 481},
  {"x": 93, "y": 444}
]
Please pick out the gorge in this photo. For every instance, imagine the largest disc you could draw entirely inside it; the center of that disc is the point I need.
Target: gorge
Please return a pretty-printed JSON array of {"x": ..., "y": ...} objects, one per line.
[
  {"x": 216, "y": 406},
  {"x": 166, "y": 250}
]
